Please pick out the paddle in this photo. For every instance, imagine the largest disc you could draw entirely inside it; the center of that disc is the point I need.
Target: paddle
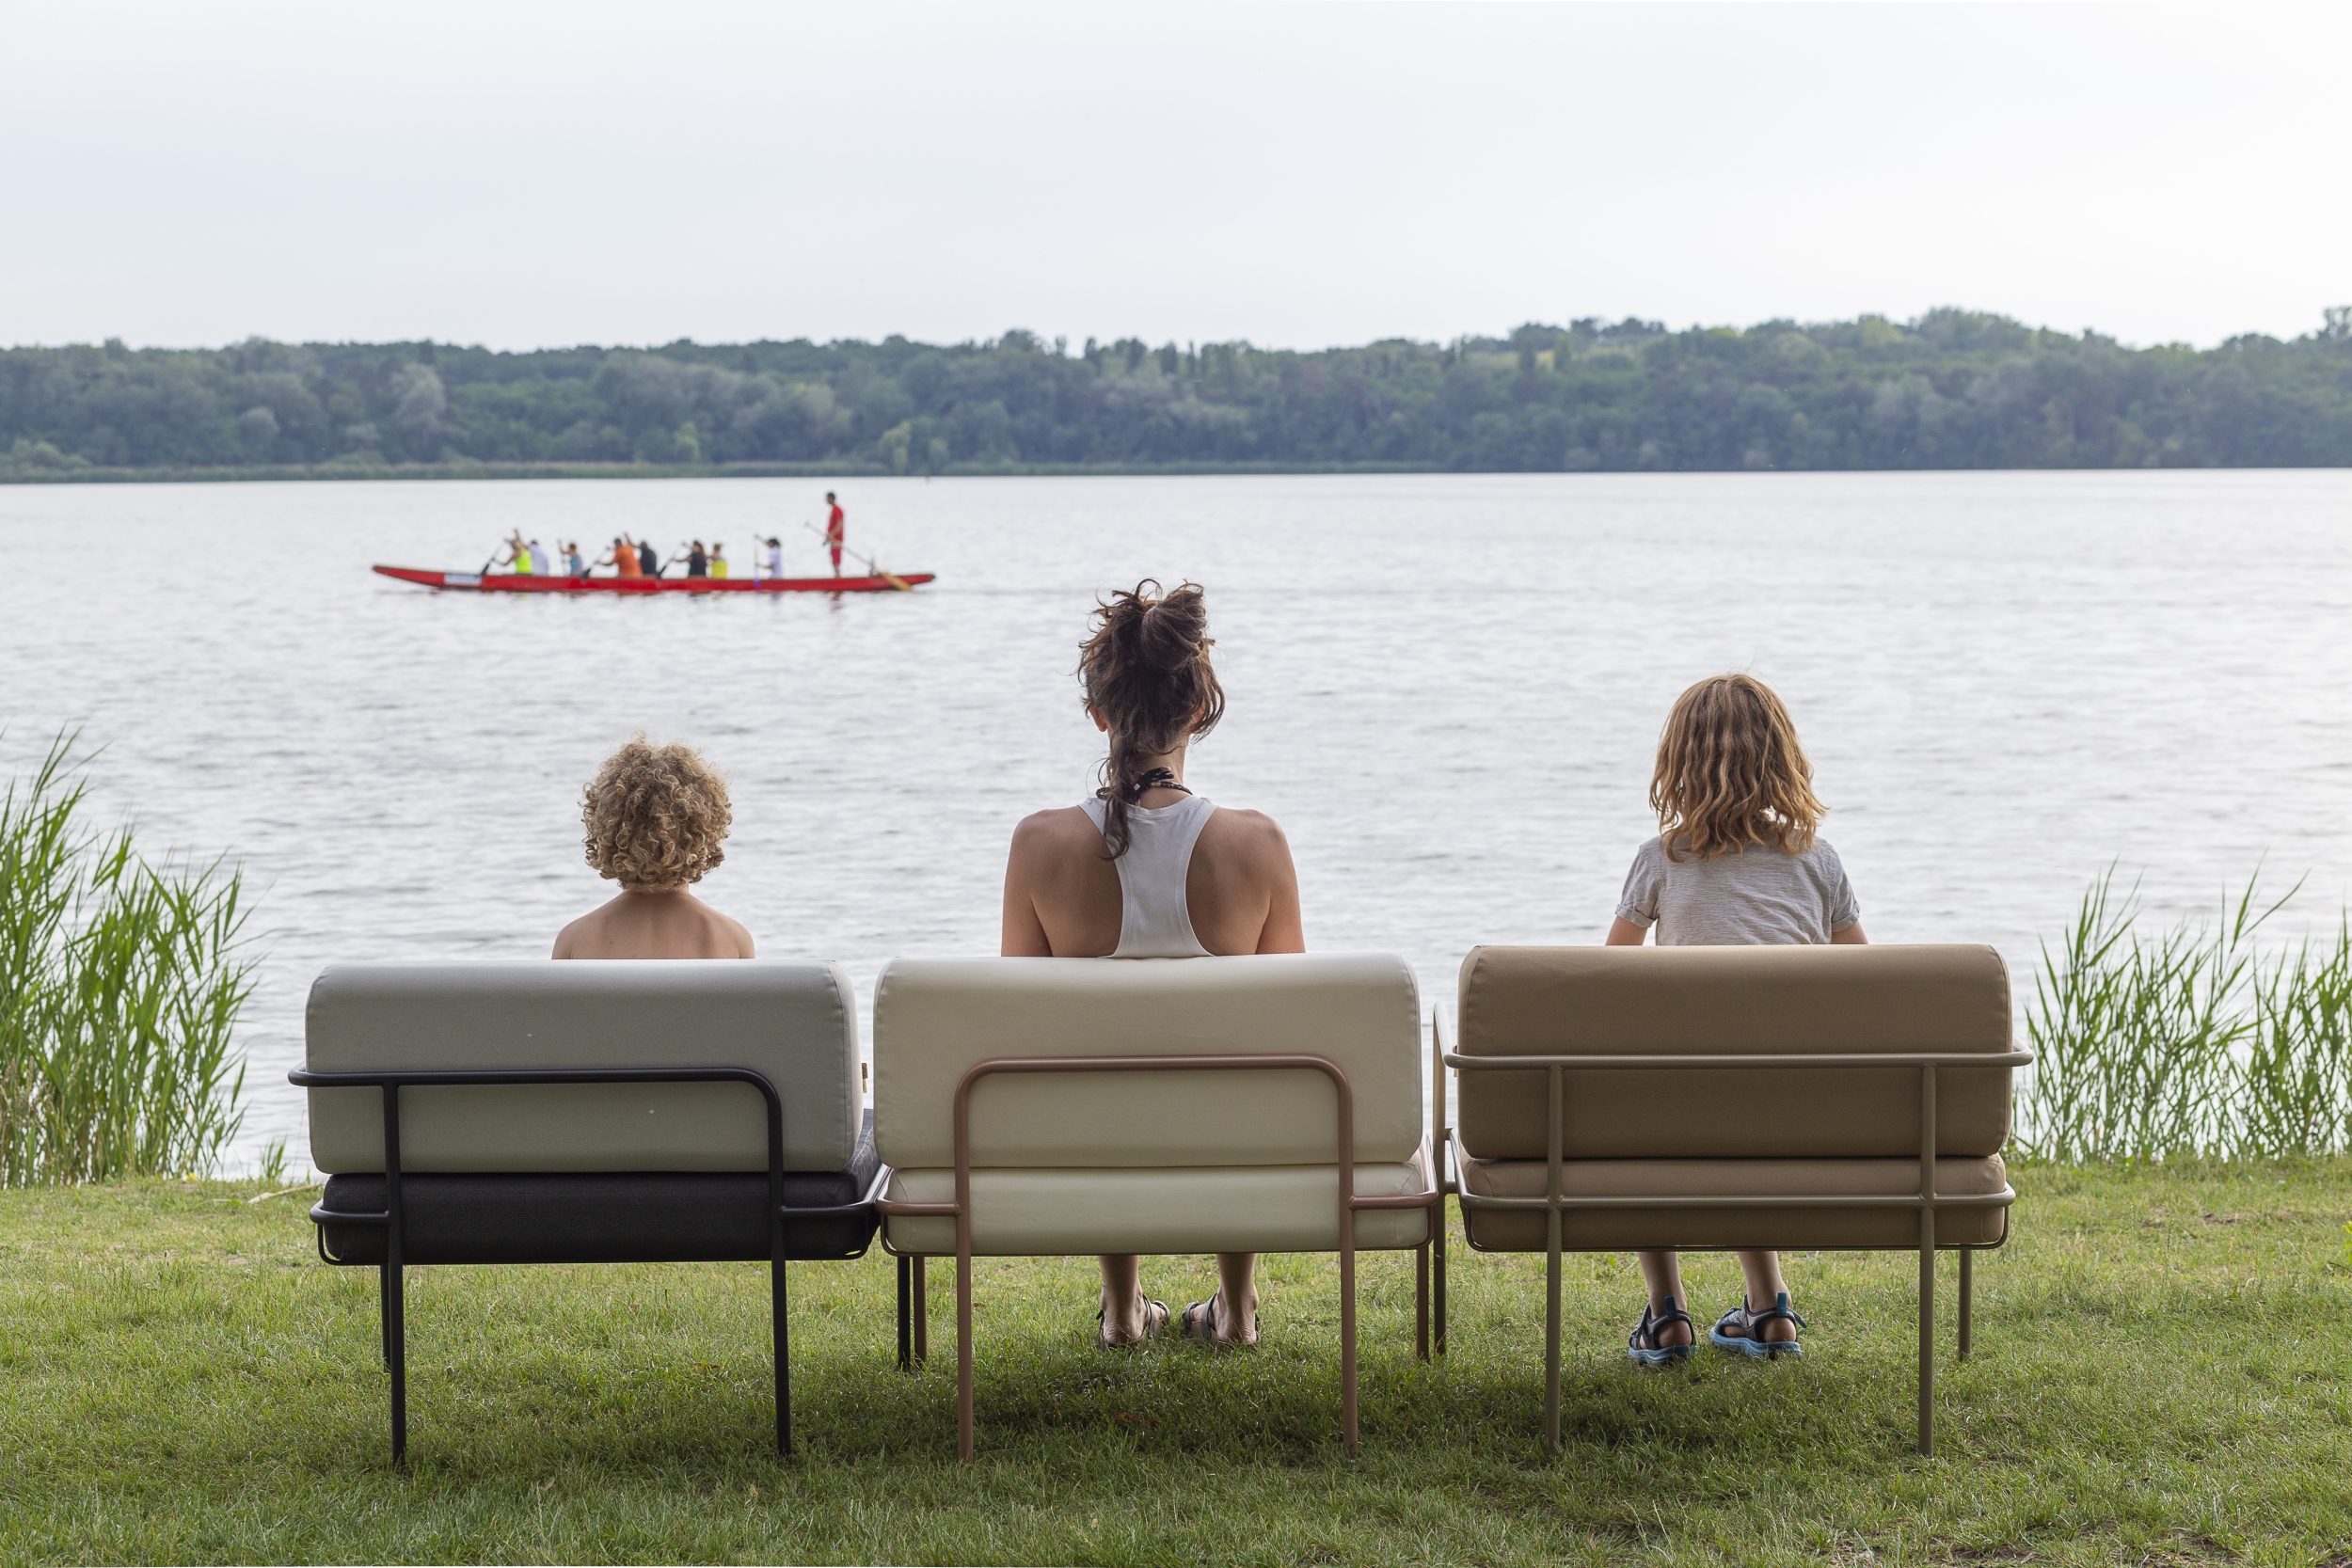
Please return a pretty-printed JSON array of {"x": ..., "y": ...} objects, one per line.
[{"x": 898, "y": 582}]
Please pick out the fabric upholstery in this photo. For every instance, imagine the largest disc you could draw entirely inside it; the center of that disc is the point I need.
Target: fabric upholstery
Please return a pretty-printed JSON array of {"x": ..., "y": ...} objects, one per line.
[
  {"x": 1691, "y": 1001},
  {"x": 794, "y": 1022},
  {"x": 1063, "y": 1210},
  {"x": 1586, "y": 1230},
  {"x": 631, "y": 1218},
  {"x": 936, "y": 1018}
]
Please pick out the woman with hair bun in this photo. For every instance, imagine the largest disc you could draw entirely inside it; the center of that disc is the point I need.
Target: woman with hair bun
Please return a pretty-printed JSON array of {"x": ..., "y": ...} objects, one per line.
[{"x": 1147, "y": 869}]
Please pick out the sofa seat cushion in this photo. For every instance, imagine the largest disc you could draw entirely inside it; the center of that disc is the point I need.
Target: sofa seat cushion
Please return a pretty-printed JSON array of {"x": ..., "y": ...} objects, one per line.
[
  {"x": 1624, "y": 1230},
  {"x": 1060, "y": 1211},
  {"x": 603, "y": 1217}
]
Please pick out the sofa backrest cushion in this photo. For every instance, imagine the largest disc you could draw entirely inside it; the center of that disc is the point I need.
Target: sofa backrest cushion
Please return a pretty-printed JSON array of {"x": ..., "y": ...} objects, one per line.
[
  {"x": 1854, "y": 1001},
  {"x": 934, "y": 1019},
  {"x": 796, "y": 1023}
]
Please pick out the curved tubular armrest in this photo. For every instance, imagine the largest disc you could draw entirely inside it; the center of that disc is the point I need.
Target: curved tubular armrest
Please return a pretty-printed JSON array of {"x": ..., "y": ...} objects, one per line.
[{"x": 1809, "y": 1059}]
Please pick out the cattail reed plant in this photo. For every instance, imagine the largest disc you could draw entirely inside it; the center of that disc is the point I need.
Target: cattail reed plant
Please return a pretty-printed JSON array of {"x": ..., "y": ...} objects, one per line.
[
  {"x": 2190, "y": 1043},
  {"x": 120, "y": 983}
]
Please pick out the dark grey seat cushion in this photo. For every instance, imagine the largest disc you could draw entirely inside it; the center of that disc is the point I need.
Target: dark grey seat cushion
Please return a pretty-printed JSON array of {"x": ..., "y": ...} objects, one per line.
[{"x": 626, "y": 1217}]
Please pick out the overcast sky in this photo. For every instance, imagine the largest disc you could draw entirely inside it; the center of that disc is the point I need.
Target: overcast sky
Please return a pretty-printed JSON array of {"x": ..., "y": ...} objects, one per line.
[{"x": 1296, "y": 175}]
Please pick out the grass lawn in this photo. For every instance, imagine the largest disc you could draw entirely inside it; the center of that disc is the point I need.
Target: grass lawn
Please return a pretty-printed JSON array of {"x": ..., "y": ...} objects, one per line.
[{"x": 2163, "y": 1374}]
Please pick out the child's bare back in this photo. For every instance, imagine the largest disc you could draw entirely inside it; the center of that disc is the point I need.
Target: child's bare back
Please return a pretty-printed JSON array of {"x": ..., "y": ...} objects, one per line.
[
  {"x": 654, "y": 922},
  {"x": 655, "y": 818}
]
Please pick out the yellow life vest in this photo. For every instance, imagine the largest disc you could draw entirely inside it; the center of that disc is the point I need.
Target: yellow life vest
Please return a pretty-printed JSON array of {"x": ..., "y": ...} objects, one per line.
[{"x": 719, "y": 566}]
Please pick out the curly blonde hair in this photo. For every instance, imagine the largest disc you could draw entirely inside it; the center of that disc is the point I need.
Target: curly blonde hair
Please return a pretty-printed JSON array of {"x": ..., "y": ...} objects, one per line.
[
  {"x": 1731, "y": 774},
  {"x": 655, "y": 816}
]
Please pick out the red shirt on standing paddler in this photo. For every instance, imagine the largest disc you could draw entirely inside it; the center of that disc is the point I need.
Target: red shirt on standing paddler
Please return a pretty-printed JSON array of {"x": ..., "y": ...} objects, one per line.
[{"x": 835, "y": 532}]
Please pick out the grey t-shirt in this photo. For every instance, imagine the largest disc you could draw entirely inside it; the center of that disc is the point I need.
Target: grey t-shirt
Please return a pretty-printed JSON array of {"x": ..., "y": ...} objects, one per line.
[{"x": 1758, "y": 897}]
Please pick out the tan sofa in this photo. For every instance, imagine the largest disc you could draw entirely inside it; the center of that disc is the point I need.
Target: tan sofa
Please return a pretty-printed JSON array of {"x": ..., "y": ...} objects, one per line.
[
  {"x": 587, "y": 1112},
  {"x": 1712, "y": 1098},
  {"x": 1065, "y": 1106}
]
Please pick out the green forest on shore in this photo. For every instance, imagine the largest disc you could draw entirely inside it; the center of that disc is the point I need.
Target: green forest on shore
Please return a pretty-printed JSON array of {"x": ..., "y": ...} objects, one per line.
[{"x": 1951, "y": 389}]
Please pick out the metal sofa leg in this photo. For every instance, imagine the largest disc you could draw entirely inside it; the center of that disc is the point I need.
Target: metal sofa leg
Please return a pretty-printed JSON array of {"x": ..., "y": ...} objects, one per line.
[
  {"x": 1437, "y": 1263},
  {"x": 1552, "y": 1335},
  {"x": 1347, "y": 1345},
  {"x": 783, "y": 1333},
  {"x": 922, "y": 1309},
  {"x": 906, "y": 1316},
  {"x": 1421, "y": 1300},
  {"x": 1968, "y": 1282},
  {"x": 396, "y": 1353},
  {"x": 965, "y": 1442},
  {"x": 1927, "y": 1331}
]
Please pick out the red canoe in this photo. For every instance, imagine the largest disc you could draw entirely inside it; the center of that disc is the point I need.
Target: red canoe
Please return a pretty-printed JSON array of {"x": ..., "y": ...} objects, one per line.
[{"x": 508, "y": 583}]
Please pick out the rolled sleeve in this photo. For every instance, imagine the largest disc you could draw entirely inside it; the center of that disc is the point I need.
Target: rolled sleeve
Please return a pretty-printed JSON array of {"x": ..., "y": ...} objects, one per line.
[{"x": 1638, "y": 903}]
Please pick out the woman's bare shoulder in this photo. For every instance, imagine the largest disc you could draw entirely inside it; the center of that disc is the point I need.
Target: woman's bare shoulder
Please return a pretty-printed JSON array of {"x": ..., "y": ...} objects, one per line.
[
  {"x": 1057, "y": 829},
  {"x": 1251, "y": 834},
  {"x": 1254, "y": 824}
]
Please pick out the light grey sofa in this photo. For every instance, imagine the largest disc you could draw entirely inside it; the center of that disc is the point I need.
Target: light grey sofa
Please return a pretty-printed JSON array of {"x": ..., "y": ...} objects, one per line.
[{"x": 537, "y": 1112}]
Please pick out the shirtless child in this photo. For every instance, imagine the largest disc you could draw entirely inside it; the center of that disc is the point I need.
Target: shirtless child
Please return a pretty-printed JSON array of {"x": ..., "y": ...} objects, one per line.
[{"x": 655, "y": 816}]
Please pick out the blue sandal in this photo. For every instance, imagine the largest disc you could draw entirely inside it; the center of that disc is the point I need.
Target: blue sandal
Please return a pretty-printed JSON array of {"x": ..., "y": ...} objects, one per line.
[
  {"x": 1745, "y": 1320},
  {"x": 1644, "y": 1346}
]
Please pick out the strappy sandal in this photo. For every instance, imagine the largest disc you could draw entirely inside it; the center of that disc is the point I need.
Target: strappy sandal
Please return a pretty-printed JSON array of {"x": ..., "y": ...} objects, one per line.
[
  {"x": 1199, "y": 1323},
  {"x": 1154, "y": 1322},
  {"x": 1747, "y": 1341},
  {"x": 1644, "y": 1346}
]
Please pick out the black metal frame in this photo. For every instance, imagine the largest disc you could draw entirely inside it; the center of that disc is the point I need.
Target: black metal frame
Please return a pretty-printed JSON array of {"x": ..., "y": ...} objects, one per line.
[
  {"x": 1926, "y": 1201},
  {"x": 391, "y": 1272}
]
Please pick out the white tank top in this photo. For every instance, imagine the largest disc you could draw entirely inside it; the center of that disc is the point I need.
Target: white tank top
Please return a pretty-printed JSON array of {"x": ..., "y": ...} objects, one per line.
[{"x": 1154, "y": 920}]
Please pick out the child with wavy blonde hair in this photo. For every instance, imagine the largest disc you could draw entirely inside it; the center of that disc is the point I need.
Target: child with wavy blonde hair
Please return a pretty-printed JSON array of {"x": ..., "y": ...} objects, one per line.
[
  {"x": 1738, "y": 862},
  {"x": 655, "y": 816}
]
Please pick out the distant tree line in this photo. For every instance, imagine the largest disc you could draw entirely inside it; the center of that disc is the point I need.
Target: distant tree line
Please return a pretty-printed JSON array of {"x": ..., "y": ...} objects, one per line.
[{"x": 1952, "y": 389}]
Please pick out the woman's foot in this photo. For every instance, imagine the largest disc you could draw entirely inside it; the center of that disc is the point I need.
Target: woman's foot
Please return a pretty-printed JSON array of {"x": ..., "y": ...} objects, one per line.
[
  {"x": 1141, "y": 1324},
  {"x": 1662, "y": 1336},
  {"x": 1210, "y": 1321},
  {"x": 1769, "y": 1333}
]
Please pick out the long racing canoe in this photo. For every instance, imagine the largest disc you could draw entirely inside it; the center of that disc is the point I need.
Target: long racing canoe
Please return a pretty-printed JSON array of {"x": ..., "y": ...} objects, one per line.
[{"x": 515, "y": 582}]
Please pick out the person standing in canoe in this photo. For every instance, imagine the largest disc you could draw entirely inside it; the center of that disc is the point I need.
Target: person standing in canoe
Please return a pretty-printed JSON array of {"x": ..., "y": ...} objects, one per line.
[
  {"x": 775, "y": 558},
  {"x": 836, "y": 532}
]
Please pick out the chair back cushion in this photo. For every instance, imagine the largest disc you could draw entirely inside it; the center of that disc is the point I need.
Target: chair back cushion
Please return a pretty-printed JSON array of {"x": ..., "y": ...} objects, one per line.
[
  {"x": 1855, "y": 1001},
  {"x": 796, "y": 1023},
  {"x": 934, "y": 1019}
]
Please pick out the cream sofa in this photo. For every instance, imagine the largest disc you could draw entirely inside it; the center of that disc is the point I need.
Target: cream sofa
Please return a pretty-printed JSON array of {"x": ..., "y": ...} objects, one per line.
[
  {"x": 1066, "y": 1106},
  {"x": 587, "y": 1112},
  {"x": 1826, "y": 1097}
]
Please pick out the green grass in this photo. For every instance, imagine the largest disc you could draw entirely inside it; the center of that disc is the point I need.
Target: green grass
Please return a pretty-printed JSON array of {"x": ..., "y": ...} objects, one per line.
[{"x": 2163, "y": 1374}]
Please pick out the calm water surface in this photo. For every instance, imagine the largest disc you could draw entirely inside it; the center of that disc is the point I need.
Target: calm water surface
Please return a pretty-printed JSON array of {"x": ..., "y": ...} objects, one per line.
[{"x": 1447, "y": 690}]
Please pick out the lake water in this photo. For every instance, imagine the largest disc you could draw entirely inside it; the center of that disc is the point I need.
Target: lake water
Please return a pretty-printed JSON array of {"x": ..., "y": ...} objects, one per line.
[{"x": 1447, "y": 690}]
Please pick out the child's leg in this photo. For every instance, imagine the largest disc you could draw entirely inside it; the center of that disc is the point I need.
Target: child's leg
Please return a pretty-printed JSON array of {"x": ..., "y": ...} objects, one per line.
[
  {"x": 1662, "y": 1273},
  {"x": 1765, "y": 1285}
]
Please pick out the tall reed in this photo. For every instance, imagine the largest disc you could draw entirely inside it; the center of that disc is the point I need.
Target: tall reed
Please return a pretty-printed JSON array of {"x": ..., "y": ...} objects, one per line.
[
  {"x": 120, "y": 983},
  {"x": 2190, "y": 1041}
]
